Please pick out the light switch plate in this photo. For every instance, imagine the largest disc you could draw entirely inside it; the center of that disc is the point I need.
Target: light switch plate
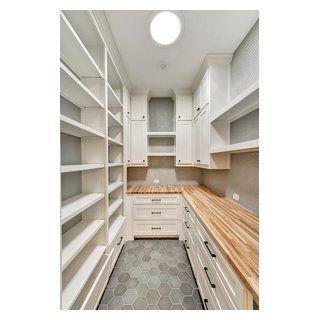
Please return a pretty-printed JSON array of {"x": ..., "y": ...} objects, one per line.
[
  {"x": 156, "y": 180},
  {"x": 235, "y": 196}
]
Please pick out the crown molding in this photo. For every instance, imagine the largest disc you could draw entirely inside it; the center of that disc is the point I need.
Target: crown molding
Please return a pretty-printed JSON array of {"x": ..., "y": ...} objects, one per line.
[
  {"x": 101, "y": 20},
  {"x": 209, "y": 60}
]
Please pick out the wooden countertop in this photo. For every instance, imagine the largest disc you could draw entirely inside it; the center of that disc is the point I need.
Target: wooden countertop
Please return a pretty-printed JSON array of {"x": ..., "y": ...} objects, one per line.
[{"x": 235, "y": 229}]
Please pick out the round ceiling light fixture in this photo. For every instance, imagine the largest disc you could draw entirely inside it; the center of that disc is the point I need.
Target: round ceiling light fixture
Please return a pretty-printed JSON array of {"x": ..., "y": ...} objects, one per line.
[{"x": 165, "y": 28}]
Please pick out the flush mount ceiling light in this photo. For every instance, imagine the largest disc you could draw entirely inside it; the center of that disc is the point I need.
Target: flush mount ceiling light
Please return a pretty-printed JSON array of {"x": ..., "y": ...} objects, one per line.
[{"x": 165, "y": 28}]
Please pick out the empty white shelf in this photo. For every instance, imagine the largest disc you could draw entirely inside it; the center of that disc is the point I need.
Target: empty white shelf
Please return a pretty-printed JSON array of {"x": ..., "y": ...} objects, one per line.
[
  {"x": 114, "y": 142},
  {"x": 244, "y": 103},
  {"x": 77, "y": 204},
  {"x": 161, "y": 154},
  {"x": 78, "y": 273},
  {"x": 80, "y": 167},
  {"x": 114, "y": 185},
  {"x": 246, "y": 146},
  {"x": 114, "y": 204},
  {"x": 114, "y": 164},
  {"x": 116, "y": 223},
  {"x": 74, "y": 240},
  {"x": 74, "y": 53},
  {"x": 77, "y": 129},
  {"x": 113, "y": 121},
  {"x": 74, "y": 90},
  {"x": 113, "y": 100},
  {"x": 165, "y": 134}
]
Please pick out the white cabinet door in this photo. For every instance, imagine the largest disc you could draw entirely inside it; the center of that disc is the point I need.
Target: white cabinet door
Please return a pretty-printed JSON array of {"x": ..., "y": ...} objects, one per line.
[
  {"x": 138, "y": 142},
  {"x": 196, "y": 102},
  {"x": 139, "y": 107},
  {"x": 183, "y": 108},
  {"x": 196, "y": 141},
  {"x": 184, "y": 143},
  {"x": 204, "y": 136},
  {"x": 205, "y": 89},
  {"x": 127, "y": 140}
]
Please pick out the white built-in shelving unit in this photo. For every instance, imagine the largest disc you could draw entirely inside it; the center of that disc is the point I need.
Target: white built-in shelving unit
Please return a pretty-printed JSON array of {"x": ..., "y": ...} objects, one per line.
[
  {"x": 92, "y": 170},
  {"x": 221, "y": 120}
]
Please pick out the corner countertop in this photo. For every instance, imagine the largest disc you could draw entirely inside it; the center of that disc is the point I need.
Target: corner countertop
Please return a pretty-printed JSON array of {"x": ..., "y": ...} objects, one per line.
[{"x": 235, "y": 229}]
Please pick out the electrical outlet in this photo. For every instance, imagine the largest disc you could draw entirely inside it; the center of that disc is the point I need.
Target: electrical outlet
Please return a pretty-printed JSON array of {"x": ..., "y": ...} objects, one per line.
[
  {"x": 235, "y": 196},
  {"x": 156, "y": 180}
]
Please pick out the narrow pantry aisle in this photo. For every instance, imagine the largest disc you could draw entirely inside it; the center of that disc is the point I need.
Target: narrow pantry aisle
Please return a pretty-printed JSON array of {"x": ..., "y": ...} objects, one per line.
[{"x": 152, "y": 274}]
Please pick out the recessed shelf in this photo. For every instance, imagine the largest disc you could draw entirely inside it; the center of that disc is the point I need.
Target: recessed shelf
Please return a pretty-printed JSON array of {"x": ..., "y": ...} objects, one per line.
[
  {"x": 111, "y": 165},
  {"x": 114, "y": 204},
  {"x": 114, "y": 186},
  {"x": 113, "y": 100},
  {"x": 74, "y": 240},
  {"x": 114, "y": 142},
  {"x": 80, "y": 167},
  {"x": 77, "y": 204},
  {"x": 75, "y": 91},
  {"x": 77, "y": 129},
  {"x": 165, "y": 134},
  {"x": 116, "y": 223},
  {"x": 244, "y": 103},
  {"x": 76, "y": 276},
  {"x": 74, "y": 53},
  {"x": 113, "y": 121},
  {"x": 246, "y": 146},
  {"x": 161, "y": 154}
]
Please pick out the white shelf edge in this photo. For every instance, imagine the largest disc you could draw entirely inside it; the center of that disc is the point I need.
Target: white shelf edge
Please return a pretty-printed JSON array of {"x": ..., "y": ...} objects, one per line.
[
  {"x": 161, "y": 154},
  {"x": 81, "y": 50},
  {"x": 115, "y": 97},
  {"x": 77, "y": 129},
  {"x": 77, "y": 204},
  {"x": 114, "y": 142},
  {"x": 114, "y": 206},
  {"x": 75, "y": 278},
  {"x": 164, "y": 134},
  {"x": 76, "y": 81},
  {"x": 115, "y": 119},
  {"x": 75, "y": 239},
  {"x": 246, "y": 146},
  {"x": 115, "y": 227},
  {"x": 241, "y": 97},
  {"x": 114, "y": 164},
  {"x": 114, "y": 186},
  {"x": 80, "y": 167}
]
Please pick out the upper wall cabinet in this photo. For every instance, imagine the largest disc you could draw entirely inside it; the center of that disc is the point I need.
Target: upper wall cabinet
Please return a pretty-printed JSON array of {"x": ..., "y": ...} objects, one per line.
[
  {"x": 138, "y": 143},
  {"x": 205, "y": 89},
  {"x": 183, "y": 108},
  {"x": 183, "y": 143},
  {"x": 196, "y": 102},
  {"x": 139, "y": 107}
]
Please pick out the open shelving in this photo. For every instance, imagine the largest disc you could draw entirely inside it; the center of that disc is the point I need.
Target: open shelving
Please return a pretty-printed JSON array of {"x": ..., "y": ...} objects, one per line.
[
  {"x": 114, "y": 204},
  {"x": 246, "y": 146},
  {"x": 74, "y": 240},
  {"x": 115, "y": 223},
  {"x": 115, "y": 164},
  {"x": 77, "y": 274},
  {"x": 75, "y": 91},
  {"x": 165, "y": 134},
  {"x": 80, "y": 167},
  {"x": 77, "y": 204},
  {"x": 113, "y": 99},
  {"x": 113, "y": 121},
  {"x": 77, "y": 129},
  {"x": 74, "y": 53},
  {"x": 161, "y": 154},
  {"x": 114, "y": 142},
  {"x": 114, "y": 186},
  {"x": 114, "y": 80}
]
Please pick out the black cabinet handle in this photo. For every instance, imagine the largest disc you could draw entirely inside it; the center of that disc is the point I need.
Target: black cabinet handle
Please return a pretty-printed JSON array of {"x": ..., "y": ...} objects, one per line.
[
  {"x": 179, "y": 160},
  {"x": 143, "y": 160},
  {"x": 128, "y": 160},
  {"x": 154, "y": 228},
  {"x": 198, "y": 109},
  {"x": 142, "y": 117},
  {"x": 185, "y": 241},
  {"x": 186, "y": 208},
  {"x": 186, "y": 224},
  {"x": 206, "y": 244},
  {"x": 156, "y": 200},
  {"x": 206, "y": 271},
  {"x": 156, "y": 212},
  {"x": 179, "y": 117},
  {"x": 205, "y": 303},
  {"x": 119, "y": 241},
  {"x": 198, "y": 160}
]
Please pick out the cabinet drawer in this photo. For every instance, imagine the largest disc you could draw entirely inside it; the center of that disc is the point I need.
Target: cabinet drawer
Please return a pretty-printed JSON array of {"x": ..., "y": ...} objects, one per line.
[
  {"x": 214, "y": 285},
  {"x": 156, "y": 199},
  {"x": 208, "y": 302},
  {"x": 155, "y": 212},
  {"x": 229, "y": 279},
  {"x": 156, "y": 228},
  {"x": 188, "y": 226},
  {"x": 190, "y": 213},
  {"x": 117, "y": 245}
]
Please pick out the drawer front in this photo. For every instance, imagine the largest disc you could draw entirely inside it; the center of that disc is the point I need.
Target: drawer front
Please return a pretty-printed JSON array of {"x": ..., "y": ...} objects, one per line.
[
  {"x": 155, "y": 212},
  {"x": 191, "y": 250},
  {"x": 231, "y": 282},
  {"x": 117, "y": 245},
  {"x": 156, "y": 228},
  {"x": 213, "y": 283},
  {"x": 156, "y": 199},
  {"x": 190, "y": 213},
  {"x": 208, "y": 302}
]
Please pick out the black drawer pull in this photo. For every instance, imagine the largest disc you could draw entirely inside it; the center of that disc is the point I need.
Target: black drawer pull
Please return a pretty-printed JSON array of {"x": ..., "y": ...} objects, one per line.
[
  {"x": 156, "y": 212},
  {"x": 186, "y": 208},
  {"x": 186, "y": 224},
  {"x": 119, "y": 241},
  {"x": 205, "y": 304},
  {"x": 198, "y": 109},
  {"x": 154, "y": 228},
  {"x": 154, "y": 200},
  {"x": 198, "y": 160},
  {"x": 206, "y": 271},
  {"x": 206, "y": 244},
  {"x": 185, "y": 241}
]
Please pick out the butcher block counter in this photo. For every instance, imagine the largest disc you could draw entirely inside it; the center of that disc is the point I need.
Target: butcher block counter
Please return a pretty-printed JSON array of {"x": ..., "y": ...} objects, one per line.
[{"x": 235, "y": 229}]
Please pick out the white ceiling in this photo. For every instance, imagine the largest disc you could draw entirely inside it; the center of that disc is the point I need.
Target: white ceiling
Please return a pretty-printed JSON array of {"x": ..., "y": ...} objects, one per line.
[{"x": 204, "y": 32}]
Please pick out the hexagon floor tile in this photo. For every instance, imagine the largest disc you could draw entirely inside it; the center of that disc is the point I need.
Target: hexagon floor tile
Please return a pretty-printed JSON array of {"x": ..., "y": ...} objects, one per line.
[{"x": 149, "y": 275}]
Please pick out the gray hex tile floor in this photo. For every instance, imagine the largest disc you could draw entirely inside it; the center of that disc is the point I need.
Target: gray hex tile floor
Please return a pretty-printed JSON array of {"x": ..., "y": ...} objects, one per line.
[{"x": 152, "y": 275}]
